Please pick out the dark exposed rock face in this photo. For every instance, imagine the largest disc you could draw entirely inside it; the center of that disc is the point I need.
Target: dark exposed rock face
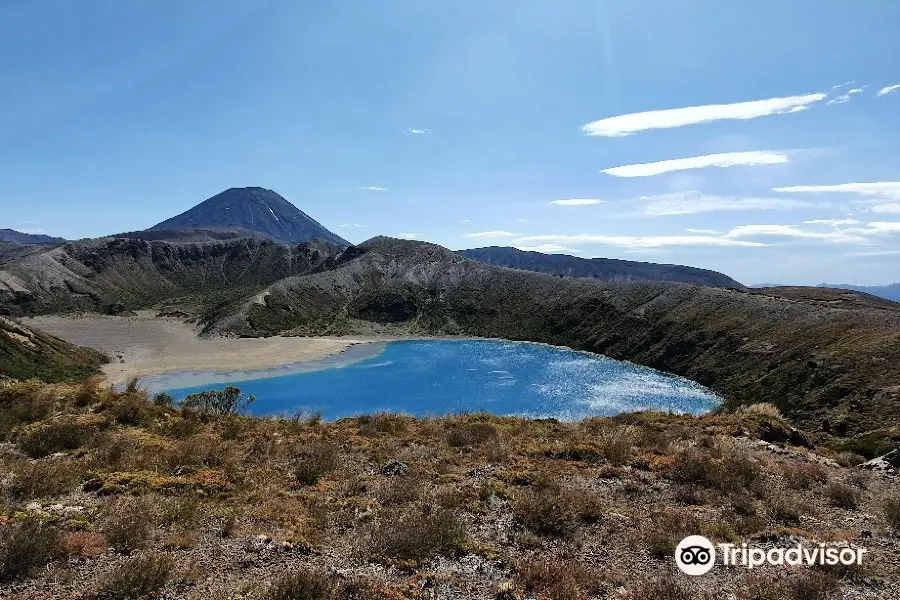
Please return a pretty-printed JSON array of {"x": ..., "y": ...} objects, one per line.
[
  {"x": 253, "y": 209},
  {"x": 604, "y": 269}
]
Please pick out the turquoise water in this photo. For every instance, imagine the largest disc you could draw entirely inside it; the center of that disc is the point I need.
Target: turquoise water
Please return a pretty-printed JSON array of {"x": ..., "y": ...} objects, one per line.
[{"x": 437, "y": 377}]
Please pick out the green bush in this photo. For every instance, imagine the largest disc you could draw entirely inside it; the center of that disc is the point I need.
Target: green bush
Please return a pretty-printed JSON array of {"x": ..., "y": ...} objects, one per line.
[{"x": 219, "y": 403}]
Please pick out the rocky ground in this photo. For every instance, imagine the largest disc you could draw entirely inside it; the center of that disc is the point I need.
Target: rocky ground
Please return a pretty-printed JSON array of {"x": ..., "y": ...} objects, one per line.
[{"x": 115, "y": 495}]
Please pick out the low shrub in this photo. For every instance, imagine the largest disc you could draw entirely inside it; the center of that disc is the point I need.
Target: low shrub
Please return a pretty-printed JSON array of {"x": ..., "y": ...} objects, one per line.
[
  {"x": 381, "y": 422},
  {"x": 45, "y": 478},
  {"x": 219, "y": 403},
  {"x": 891, "y": 509},
  {"x": 666, "y": 587},
  {"x": 785, "y": 508},
  {"x": 313, "y": 460},
  {"x": 25, "y": 547},
  {"x": 139, "y": 577},
  {"x": 557, "y": 579},
  {"x": 804, "y": 475},
  {"x": 412, "y": 535},
  {"x": 55, "y": 437},
  {"x": 471, "y": 434},
  {"x": 127, "y": 523},
  {"x": 546, "y": 510},
  {"x": 811, "y": 584},
  {"x": 303, "y": 584},
  {"x": 843, "y": 495},
  {"x": 668, "y": 527}
]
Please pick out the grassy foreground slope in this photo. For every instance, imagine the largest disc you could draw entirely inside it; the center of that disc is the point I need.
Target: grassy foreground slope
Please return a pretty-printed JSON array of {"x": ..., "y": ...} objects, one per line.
[
  {"x": 109, "y": 495},
  {"x": 826, "y": 358},
  {"x": 28, "y": 353}
]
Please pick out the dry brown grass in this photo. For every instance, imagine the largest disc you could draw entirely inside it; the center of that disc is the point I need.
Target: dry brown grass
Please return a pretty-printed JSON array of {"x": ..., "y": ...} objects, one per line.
[{"x": 473, "y": 489}]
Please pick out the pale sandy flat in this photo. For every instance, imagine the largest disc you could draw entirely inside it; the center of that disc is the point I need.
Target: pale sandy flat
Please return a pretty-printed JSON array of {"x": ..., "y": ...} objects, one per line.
[{"x": 144, "y": 346}]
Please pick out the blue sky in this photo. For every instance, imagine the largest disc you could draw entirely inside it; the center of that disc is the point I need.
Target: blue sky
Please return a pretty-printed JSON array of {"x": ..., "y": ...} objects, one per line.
[{"x": 466, "y": 123}]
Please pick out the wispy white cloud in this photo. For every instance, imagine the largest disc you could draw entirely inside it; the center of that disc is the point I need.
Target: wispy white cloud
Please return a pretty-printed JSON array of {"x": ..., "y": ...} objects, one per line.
[
  {"x": 491, "y": 234},
  {"x": 374, "y": 188},
  {"x": 692, "y": 202},
  {"x": 628, "y": 241},
  {"x": 32, "y": 231},
  {"x": 887, "y": 90},
  {"x": 465, "y": 220},
  {"x": 880, "y": 189},
  {"x": 577, "y": 202},
  {"x": 416, "y": 131},
  {"x": 875, "y": 253},
  {"x": 889, "y": 207},
  {"x": 842, "y": 231},
  {"x": 844, "y": 98},
  {"x": 523, "y": 220},
  {"x": 410, "y": 236},
  {"x": 351, "y": 225},
  {"x": 632, "y": 123},
  {"x": 832, "y": 222},
  {"x": 724, "y": 159},
  {"x": 550, "y": 249},
  {"x": 790, "y": 231},
  {"x": 884, "y": 226}
]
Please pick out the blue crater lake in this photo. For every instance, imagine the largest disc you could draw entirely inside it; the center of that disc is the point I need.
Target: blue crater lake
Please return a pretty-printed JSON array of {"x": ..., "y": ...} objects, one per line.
[{"x": 437, "y": 377}]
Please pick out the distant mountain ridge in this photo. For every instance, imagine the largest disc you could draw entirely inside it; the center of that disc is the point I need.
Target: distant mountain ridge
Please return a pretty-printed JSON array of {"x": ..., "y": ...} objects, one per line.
[
  {"x": 603, "y": 269},
  {"x": 889, "y": 292},
  {"x": 17, "y": 237},
  {"x": 253, "y": 209}
]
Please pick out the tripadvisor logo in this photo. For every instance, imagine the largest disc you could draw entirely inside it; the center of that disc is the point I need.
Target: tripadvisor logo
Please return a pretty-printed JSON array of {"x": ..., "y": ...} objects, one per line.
[{"x": 696, "y": 555}]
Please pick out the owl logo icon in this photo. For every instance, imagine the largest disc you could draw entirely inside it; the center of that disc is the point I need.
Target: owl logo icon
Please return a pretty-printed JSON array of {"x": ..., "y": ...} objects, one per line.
[{"x": 695, "y": 555}]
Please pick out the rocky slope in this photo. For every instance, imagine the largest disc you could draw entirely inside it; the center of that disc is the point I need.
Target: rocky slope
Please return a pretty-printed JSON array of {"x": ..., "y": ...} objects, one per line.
[
  {"x": 604, "y": 269},
  {"x": 27, "y": 353},
  {"x": 255, "y": 209},
  {"x": 114, "y": 275}
]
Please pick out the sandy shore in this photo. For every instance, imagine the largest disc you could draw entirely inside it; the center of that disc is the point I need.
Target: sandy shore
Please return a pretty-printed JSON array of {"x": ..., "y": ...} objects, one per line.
[{"x": 146, "y": 346}]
